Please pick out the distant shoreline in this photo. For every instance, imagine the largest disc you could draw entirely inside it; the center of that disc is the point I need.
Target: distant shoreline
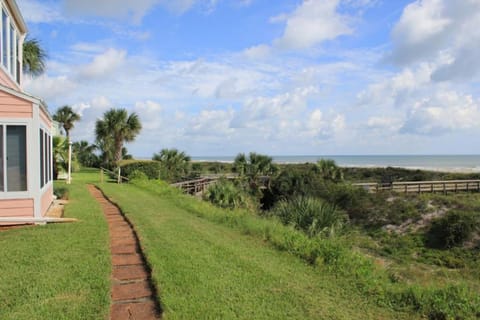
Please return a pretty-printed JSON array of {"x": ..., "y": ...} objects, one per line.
[{"x": 439, "y": 163}]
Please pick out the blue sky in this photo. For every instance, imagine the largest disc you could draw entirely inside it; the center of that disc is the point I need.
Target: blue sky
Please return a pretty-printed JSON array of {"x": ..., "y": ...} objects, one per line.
[{"x": 218, "y": 77}]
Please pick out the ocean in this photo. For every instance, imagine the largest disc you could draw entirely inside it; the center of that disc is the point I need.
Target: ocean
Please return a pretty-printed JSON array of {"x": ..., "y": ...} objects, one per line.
[{"x": 452, "y": 163}]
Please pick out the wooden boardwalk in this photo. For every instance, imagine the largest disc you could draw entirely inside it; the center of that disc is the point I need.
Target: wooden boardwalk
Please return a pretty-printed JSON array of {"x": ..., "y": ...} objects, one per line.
[
  {"x": 197, "y": 186},
  {"x": 423, "y": 186}
]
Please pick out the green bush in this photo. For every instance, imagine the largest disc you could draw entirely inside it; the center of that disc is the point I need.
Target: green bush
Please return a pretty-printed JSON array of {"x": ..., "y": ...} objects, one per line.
[
  {"x": 61, "y": 192},
  {"x": 312, "y": 215},
  {"x": 226, "y": 194},
  {"x": 137, "y": 175},
  {"x": 152, "y": 169},
  {"x": 452, "y": 230}
]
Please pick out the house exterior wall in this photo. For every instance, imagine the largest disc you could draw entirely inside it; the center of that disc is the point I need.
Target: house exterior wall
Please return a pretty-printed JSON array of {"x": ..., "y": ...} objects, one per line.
[
  {"x": 7, "y": 81},
  {"x": 14, "y": 107},
  {"x": 46, "y": 200},
  {"x": 16, "y": 208},
  {"x": 20, "y": 109}
]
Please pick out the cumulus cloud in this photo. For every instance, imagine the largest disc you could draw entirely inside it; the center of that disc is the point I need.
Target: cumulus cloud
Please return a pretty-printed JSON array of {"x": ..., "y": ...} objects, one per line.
[
  {"x": 49, "y": 88},
  {"x": 103, "y": 64},
  {"x": 210, "y": 123},
  {"x": 261, "y": 51},
  {"x": 434, "y": 29},
  {"x": 313, "y": 22},
  {"x": 444, "y": 112},
  {"x": 397, "y": 89},
  {"x": 281, "y": 106}
]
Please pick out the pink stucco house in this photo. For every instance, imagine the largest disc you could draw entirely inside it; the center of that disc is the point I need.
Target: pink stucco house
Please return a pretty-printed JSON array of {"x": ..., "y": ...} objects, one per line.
[{"x": 26, "y": 188}]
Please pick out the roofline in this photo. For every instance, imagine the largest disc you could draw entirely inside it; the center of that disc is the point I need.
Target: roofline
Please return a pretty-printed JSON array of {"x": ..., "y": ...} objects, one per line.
[
  {"x": 27, "y": 97},
  {"x": 18, "y": 15}
]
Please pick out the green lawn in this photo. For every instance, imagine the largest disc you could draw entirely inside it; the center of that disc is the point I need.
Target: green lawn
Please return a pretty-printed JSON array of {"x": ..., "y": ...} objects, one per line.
[
  {"x": 58, "y": 271},
  {"x": 206, "y": 270}
]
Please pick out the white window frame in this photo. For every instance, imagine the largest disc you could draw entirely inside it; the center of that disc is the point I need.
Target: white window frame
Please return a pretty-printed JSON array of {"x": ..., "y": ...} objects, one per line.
[
  {"x": 47, "y": 165},
  {"x": 10, "y": 70},
  {"x": 15, "y": 194}
]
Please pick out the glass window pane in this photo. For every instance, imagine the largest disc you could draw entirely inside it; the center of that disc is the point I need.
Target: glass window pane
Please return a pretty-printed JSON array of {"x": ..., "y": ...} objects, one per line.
[
  {"x": 12, "y": 50},
  {"x": 42, "y": 165},
  {"x": 1, "y": 160},
  {"x": 17, "y": 61},
  {"x": 4, "y": 38},
  {"x": 16, "y": 158},
  {"x": 49, "y": 158}
]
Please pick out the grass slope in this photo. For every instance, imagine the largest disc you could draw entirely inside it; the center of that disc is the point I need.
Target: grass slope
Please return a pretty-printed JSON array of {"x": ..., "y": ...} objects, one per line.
[
  {"x": 209, "y": 271},
  {"x": 58, "y": 271}
]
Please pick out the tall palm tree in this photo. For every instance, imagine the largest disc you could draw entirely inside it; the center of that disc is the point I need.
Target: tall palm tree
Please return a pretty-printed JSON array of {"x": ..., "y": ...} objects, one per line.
[
  {"x": 67, "y": 117},
  {"x": 116, "y": 128},
  {"x": 33, "y": 57},
  {"x": 175, "y": 163}
]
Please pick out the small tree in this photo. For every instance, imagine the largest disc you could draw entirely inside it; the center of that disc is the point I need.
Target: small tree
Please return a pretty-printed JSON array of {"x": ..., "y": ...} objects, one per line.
[
  {"x": 116, "y": 127},
  {"x": 329, "y": 170},
  {"x": 67, "y": 117},
  {"x": 175, "y": 164}
]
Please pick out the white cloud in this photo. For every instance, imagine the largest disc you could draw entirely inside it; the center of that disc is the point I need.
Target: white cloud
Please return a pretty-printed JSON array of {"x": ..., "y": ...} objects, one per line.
[
  {"x": 394, "y": 91},
  {"x": 261, "y": 51},
  {"x": 103, "y": 65},
  {"x": 313, "y": 22},
  {"x": 36, "y": 12},
  {"x": 49, "y": 88},
  {"x": 210, "y": 123},
  {"x": 282, "y": 106},
  {"x": 320, "y": 128},
  {"x": 430, "y": 30},
  {"x": 443, "y": 112}
]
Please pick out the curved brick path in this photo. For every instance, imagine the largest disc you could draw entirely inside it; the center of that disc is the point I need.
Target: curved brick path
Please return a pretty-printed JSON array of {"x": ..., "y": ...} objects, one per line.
[{"x": 132, "y": 293}]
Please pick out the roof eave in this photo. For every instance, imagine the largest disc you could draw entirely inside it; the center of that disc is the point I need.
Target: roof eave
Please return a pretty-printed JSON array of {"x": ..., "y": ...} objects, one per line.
[{"x": 18, "y": 16}]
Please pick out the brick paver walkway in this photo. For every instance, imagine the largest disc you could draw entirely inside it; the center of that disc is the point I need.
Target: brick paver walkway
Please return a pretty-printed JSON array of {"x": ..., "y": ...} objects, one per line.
[{"x": 132, "y": 294}]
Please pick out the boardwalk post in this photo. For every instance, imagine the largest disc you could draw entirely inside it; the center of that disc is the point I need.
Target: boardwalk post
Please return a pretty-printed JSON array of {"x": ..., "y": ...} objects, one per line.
[
  {"x": 119, "y": 178},
  {"x": 444, "y": 189}
]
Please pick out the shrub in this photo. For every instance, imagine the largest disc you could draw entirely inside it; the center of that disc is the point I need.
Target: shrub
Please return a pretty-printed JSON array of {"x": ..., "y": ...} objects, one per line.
[
  {"x": 61, "y": 192},
  {"x": 226, "y": 194},
  {"x": 138, "y": 175},
  {"x": 311, "y": 215},
  {"x": 152, "y": 169},
  {"x": 452, "y": 230}
]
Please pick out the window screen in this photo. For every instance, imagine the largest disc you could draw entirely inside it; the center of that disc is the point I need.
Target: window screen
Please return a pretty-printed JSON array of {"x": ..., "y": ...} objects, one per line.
[{"x": 16, "y": 158}]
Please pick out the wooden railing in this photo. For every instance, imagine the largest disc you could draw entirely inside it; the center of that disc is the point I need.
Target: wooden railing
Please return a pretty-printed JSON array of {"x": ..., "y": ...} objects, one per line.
[
  {"x": 195, "y": 186},
  {"x": 423, "y": 186},
  {"x": 118, "y": 175}
]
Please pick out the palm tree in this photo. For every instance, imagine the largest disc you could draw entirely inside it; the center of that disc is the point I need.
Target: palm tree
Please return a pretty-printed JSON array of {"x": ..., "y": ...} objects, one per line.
[
  {"x": 85, "y": 153},
  {"x": 116, "y": 128},
  {"x": 174, "y": 162},
  {"x": 33, "y": 57},
  {"x": 253, "y": 167},
  {"x": 329, "y": 170},
  {"x": 67, "y": 117},
  {"x": 60, "y": 155}
]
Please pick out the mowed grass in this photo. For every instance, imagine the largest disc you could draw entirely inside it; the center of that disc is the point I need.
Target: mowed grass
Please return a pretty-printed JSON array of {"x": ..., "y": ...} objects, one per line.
[
  {"x": 206, "y": 270},
  {"x": 58, "y": 271}
]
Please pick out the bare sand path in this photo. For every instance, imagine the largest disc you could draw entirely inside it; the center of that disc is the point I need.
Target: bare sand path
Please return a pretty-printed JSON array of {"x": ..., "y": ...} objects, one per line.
[{"x": 133, "y": 295}]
